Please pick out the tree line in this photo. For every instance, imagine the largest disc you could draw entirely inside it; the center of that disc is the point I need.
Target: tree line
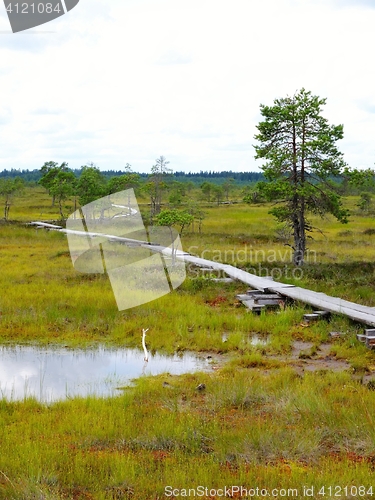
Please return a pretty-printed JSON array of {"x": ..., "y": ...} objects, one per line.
[
  {"x": 62, "y": 184},
  {"x": 90, "y": 183},
  {"x": 303, "y": 173},
  {"x": 33, "y": 176}
]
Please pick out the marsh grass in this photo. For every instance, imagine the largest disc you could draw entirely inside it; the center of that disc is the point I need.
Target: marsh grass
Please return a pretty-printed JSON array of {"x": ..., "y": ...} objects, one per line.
[
  {"x": 257, "y": 422},
  {"x": 247, "y": 427}
]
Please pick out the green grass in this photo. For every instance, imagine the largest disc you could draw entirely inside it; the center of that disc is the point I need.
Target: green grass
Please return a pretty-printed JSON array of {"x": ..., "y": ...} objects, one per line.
[
  {"x": 272, "y": 431},
  {"x": 257, "y": 422}
]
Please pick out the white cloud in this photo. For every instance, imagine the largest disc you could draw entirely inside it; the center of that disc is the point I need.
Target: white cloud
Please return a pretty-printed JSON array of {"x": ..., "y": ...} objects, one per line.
[{"x": 130, "y": 80}]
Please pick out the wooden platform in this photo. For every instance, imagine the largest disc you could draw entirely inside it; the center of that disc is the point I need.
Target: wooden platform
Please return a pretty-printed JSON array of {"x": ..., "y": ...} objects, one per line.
[
  {"x": 257, "y": 300},
  {"x": 368, "y": 338}
]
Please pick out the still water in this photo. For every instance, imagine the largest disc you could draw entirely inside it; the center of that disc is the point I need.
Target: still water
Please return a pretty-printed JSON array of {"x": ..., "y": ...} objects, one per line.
[{"x": 54, "y": 374}]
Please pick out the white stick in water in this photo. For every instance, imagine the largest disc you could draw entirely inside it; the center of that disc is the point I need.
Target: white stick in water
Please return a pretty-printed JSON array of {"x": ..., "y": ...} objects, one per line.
[{"x": 144, "y": 343}]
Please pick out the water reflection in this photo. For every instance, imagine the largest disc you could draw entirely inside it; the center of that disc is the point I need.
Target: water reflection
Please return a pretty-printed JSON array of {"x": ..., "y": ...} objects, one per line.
[
  {"x": 259, "y": 340},
  {"x": 54, "y": 374}
]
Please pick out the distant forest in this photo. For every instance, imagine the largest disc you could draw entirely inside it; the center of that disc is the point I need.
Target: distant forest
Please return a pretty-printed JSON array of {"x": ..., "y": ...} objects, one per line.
[{"x": 195, "y": 177}]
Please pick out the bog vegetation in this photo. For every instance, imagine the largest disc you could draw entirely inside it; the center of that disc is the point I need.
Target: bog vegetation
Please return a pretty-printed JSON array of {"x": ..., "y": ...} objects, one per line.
[{"x": 264, "y": 418}]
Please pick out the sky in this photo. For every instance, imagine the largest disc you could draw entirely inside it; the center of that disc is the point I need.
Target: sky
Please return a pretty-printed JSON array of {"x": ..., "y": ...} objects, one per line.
[{"x": 126, "y": 81}]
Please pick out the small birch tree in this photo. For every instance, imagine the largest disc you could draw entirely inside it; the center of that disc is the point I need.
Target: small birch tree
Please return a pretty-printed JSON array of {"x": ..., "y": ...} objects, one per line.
[
  {"x": 156, "y": 183},
  {"x": 8, "y": 188}
]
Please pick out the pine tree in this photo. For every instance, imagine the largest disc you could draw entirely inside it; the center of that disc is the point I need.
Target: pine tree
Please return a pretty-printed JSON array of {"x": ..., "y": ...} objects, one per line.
[{"x": 299, "y": 146}]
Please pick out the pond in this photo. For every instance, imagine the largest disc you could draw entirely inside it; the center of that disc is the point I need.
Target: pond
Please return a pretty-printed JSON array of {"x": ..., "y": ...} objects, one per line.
[{"x": 51, "y": 374}]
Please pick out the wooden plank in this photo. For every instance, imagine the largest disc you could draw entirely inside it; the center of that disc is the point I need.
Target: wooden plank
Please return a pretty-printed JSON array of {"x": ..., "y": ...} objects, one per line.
[
  {"x": 267, "y": 302},
  {"x": 302, "y": 294},
  {"x": 258, "y": 300},
  {"x": 266, "y": 296},
  {"x": 316, "y": 315},
  {"x": 250, "y": 304},
  {"x": 260, "y": 283},
  {"x": 362, "y": 337},
  {"x": 365, "y": 315},
  {"x": 357, "y": 312},
  {"x": 322, "y": 313},
  {"x": 233, "y": 272},
  {"x": 311, "y": 317},
  {"x": 243, "y": 297},
  {"x": 251, "y": 293},
  {"x": 44, "y": 224}
]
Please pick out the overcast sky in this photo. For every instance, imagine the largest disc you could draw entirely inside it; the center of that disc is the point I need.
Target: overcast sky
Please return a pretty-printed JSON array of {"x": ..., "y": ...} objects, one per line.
[{"x": 125, "y": 81}]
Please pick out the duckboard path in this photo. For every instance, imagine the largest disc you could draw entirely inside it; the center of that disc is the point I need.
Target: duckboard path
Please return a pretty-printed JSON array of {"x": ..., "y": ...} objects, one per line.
[{"x": 357, "y": 312}]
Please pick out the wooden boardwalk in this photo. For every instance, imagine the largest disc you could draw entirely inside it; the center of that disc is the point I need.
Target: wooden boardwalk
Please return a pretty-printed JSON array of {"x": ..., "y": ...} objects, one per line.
[
  {"x": 321, "y": 301},
  {"x": 357, "y": 312}
]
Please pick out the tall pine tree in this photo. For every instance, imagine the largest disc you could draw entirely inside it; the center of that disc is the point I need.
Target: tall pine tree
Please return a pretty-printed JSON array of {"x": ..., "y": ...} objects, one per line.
[{"x": 301, "y": 156}]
